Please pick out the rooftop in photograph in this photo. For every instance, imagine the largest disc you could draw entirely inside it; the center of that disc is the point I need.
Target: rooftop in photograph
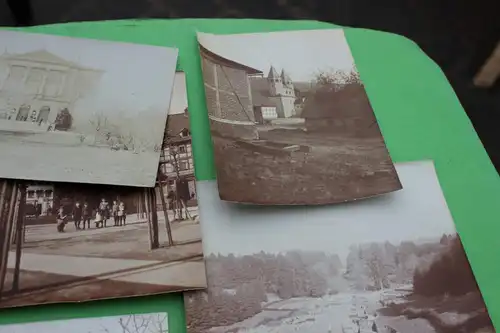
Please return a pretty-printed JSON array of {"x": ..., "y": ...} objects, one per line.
[
  {"x": 42, "y": 56},
  {"x": 227, "y": 62}
]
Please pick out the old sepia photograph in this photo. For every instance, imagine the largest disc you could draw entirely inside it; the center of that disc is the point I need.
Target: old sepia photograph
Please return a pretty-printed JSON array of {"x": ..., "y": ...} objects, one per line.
[
  {"x": 290, "y": 120},
  {"x": 132, "y": 323},
  {"x": 66, "y": 242},
  {"x": 389, "y": 264},
  {"x": 82, "y": 110}
]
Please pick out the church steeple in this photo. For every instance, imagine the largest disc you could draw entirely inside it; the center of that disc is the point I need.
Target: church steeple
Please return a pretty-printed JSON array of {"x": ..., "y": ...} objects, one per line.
[{"x": 273, "y": 73}]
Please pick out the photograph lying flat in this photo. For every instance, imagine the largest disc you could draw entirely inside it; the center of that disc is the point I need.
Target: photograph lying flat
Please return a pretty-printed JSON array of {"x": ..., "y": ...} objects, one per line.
[
  {"x": 388, "y": 264},
  {"x": 133, "y": 323},
  {"x": 66, "y": 242},
  {"x": 290, "y": 120},
  {"x": 82, "y": 110}
]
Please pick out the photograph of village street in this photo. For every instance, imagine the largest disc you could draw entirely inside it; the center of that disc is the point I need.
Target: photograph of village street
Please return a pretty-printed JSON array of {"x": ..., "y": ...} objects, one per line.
[
  {"x": 133, "y": 323},
  {"x": 292, "y": 125},
  {"x": 389, "y": 264},
  {"x": 77, "y": 110},
  {"x": 78, "y": 242}
]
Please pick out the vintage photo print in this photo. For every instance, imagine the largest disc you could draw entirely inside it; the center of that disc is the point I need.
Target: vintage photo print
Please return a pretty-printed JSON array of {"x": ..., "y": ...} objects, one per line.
[
  {"x": 290, "y": 119},
  {"x": 65, "y": 242},
  {"x": 132, "y": 323},
  {"x": 82, "y": 110},
  {"x": 390, "y": 264}
]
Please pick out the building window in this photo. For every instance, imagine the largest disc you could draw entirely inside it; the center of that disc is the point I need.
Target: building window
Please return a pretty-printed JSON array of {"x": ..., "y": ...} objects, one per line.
[
  {"x": 43, "y": 115},
  {"x": 48, "y": 193},
  {"x": 34, "y": 81},
  {"x": 182, "y": 149},
  {"x": 15, "y": 79},
  {"x": 31, "y": 194},
  {"x": 23, "y": 113},
  {"x": 183, "y": 165},
  {"x": 53, "y": 83}
]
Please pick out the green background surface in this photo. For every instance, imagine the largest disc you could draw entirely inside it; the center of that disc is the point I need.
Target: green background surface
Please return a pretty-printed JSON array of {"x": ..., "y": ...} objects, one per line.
[{"x": 419, "y": 114}]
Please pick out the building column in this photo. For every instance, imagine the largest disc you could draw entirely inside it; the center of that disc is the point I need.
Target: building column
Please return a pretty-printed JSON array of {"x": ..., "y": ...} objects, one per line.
[
  {"x": 7, "y": 72},
  {"x": 26, "y": 74},
  {"x": 44, "y": 80}
]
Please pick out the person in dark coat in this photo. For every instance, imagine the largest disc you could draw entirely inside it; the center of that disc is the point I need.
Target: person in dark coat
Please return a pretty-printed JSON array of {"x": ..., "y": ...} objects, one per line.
[
  {"x": 104, "y": 211},
  {"x": 77, "y": 215},
  {"x": 114, "y": 212},
  {"x": 171, "y": 202},
  {"x": 86, "y": 215}
]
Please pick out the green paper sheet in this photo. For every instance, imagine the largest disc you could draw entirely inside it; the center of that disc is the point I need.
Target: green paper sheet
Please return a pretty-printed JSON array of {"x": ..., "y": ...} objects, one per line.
[{"x": 418, "y": 112}]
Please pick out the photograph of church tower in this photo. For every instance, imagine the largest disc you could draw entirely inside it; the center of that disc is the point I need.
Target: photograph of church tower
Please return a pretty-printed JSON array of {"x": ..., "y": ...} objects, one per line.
[{"x": 292, "y": 127}]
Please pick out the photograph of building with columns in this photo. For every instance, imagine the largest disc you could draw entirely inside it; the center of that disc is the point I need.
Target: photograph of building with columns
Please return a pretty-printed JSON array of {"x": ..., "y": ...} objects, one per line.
[
  {"x": 65, "y": 242},
  {"x": 290, "y": 119},
  {"x": 81, "y": 110}
]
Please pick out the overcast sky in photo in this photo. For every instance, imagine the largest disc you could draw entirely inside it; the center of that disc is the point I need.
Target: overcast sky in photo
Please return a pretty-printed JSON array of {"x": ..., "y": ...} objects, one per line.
[
  {"x": 300, "y": 53},
  {"x": 179, "y": 94},
  {"x": 135, "y": 78},
  {"x": 86, "y": 325},
  {"x": 416, "y": 212}
]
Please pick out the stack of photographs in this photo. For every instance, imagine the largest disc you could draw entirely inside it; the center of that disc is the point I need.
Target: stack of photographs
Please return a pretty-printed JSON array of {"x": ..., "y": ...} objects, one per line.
[
  {"x": 101, "y": 199},
  {"x": 308, "y": 228}
]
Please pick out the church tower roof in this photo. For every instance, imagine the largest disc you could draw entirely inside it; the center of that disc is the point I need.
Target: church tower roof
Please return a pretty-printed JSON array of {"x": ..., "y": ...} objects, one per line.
[
  {"x": 273, "y": 74},
  {"x": 284, "y": 76}
]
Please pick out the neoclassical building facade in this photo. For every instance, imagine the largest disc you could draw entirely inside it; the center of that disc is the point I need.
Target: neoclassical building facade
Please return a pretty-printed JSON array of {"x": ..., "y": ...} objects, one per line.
[{"x": 36, "y": 86}]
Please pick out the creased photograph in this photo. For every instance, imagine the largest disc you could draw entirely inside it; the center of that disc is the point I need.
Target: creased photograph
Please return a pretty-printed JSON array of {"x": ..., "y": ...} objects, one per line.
[
  {"x": 82, "y": 110},
  {"x": 291, "y": 122},
  {"x": 66, "y": 242},
  {"x": 389, "y": 264},
  {"x": 132, "y": 323}
]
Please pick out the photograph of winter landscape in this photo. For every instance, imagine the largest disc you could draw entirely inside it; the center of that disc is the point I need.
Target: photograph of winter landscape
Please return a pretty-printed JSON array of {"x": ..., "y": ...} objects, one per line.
[
  {"x": 66, "y": 242},
  {"x": 292, "y": 125},
  {"x": 79, "y": 110},
  {"x": 390, "y": 264},
  {"x": 133, "y": 323}
]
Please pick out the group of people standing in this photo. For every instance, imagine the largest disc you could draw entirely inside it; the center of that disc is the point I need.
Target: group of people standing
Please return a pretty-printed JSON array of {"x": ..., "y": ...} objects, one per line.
[{"x": 82, "y": 215}]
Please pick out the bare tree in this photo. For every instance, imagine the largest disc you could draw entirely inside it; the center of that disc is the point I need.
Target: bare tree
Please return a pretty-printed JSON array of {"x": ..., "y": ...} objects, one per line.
[
  {"x": 337, "y": 79},
  {"x": 99, "y": 122},
  {"x": 144, "y": 323}
]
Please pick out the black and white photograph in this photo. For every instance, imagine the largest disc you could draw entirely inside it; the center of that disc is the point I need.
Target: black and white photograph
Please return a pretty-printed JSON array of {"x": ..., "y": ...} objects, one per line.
[
  {"x": 66, "y": 242},
  {"x": 389, "y": 264},
  {"x": 82, "y": 110},
  {"x": 132, "y": 323},
  {"x": 290, "y": 120}
]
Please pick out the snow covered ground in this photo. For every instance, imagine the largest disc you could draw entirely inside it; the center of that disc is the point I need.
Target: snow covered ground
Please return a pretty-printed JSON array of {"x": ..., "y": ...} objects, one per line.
[
  {"x": 328, "y": 314},
  {"x": 80, "y": 164}
]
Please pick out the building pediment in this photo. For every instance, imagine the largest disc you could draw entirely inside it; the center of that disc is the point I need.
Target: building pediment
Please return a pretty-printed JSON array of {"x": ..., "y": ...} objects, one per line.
[{"x": 42, "y": 56}]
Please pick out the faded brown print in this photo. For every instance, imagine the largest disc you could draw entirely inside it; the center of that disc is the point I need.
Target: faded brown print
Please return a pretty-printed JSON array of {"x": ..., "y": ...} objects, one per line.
[
  {"x": 65, "y": 242},
  {"x": 390, "y": 264},
  {"x": 303, "y": 134},
  {"x": 77, "y": 110}
]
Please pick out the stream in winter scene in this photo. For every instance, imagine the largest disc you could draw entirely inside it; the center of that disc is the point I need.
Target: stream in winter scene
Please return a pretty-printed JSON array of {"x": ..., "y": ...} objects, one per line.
[{"x": 329, "y": 270}]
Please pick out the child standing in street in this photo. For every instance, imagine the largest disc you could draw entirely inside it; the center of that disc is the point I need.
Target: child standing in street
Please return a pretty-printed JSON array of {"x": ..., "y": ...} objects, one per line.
[{"x": 61, "y": 219}]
